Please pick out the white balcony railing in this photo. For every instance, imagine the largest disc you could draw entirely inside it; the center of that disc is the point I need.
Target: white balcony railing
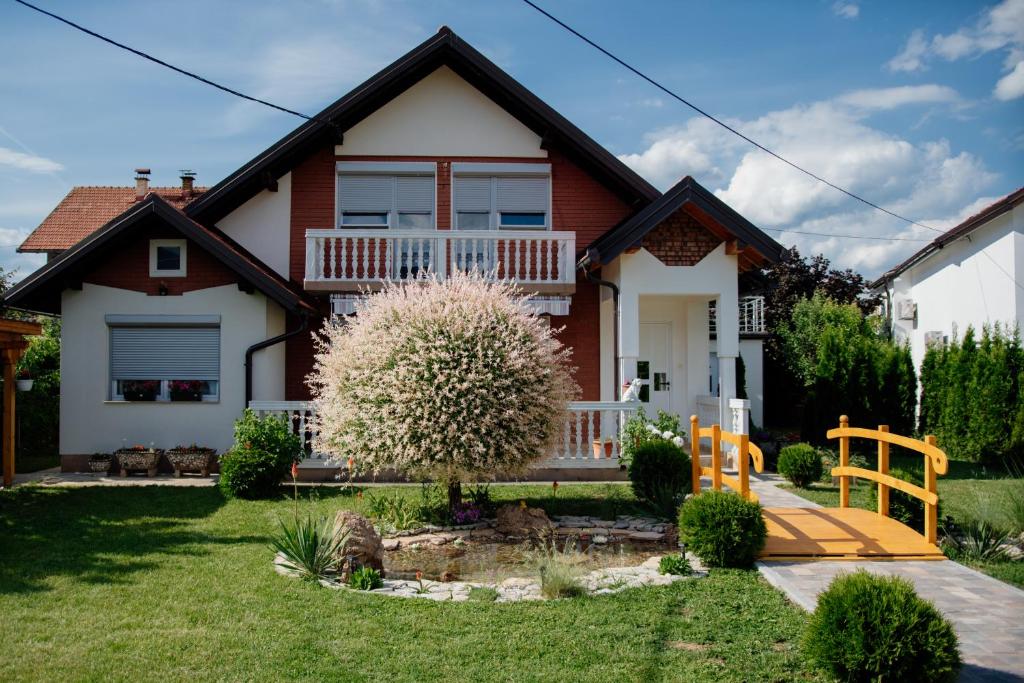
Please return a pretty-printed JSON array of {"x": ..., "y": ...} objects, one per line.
[
  {"x": 751, "y": 312},
  {"x": 355, "y": 259},
  {"x": 590, "y": 437}
]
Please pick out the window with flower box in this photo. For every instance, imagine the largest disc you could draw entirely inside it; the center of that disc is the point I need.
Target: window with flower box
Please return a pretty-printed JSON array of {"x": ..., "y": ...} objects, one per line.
[{"x": 164, "y": 358}]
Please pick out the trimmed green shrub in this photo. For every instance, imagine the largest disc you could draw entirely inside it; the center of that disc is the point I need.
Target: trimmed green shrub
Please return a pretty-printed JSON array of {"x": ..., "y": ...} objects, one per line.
[
  {"x": 660, "y": 474},
  {"x": 800, "y": 464},
  {"x": 870, "y": 627},
  {"x": 270, "y": 433},
  {"x": 252, "y": 474},
  {"x": 722, "y": 529}
]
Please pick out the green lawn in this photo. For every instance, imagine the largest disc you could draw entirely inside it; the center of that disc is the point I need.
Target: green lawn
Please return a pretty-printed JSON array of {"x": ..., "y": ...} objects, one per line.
[{"x": 176, "y": 583}]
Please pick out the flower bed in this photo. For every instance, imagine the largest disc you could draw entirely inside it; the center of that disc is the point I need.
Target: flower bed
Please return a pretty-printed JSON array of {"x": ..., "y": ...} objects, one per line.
[
  {"x": 191, "y": 459},
  {"x": 137, "y": 459}
]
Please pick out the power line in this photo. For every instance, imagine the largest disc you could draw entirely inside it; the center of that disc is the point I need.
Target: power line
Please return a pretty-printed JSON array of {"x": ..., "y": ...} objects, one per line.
[
  {"x": 179, "y": 70},
  {"x": 721, "y": 123},
  {"x": 849, "y": 237}
]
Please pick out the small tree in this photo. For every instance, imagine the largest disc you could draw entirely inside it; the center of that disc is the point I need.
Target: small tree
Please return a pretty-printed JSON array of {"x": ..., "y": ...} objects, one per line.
[{"x": 450, "y": 379}]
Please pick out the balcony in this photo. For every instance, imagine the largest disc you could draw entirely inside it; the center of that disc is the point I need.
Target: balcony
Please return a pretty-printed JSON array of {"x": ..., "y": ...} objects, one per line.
[
  {"x": 353, "y": 260},
  {"x": 751, "y": 316}
]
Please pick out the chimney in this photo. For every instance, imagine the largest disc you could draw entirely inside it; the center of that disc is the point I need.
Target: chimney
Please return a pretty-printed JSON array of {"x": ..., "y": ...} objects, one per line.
[
  {"x": 187, "y": 179},
  {"x": 141, "y": 183}
]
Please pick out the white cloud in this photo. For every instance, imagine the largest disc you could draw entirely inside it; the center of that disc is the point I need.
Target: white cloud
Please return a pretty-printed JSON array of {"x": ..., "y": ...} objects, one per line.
[
  {"x": 928, "y": 182},
  {"x": 28, "y": 162},
  {"x": 891, "y": 98},
  {"x": 1011, "y": 86},
  {"x": 1000, "y": 27},
  {"x": 846, "y": 10}
]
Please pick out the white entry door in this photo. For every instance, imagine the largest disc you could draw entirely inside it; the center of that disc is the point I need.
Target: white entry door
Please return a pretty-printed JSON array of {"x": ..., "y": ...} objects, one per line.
[{"x": 654, "y": 367}]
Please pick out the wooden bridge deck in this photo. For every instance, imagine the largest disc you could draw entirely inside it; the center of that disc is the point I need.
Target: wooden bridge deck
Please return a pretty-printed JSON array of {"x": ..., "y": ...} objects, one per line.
[{"x": 841, "y": 533}]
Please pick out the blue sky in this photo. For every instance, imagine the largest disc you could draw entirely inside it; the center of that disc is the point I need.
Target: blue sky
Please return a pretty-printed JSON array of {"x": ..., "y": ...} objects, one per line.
[{"x": 917, "y": 106}]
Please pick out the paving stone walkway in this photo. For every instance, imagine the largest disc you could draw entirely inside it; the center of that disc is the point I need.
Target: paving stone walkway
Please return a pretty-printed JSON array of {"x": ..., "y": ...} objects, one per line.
[{"x": 988, "y": 615}]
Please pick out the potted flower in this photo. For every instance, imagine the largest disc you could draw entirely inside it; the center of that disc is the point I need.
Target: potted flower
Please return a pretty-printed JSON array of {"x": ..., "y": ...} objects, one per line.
[
  {"x": 100, "y": 462},
  {"x": 603, "y": 447},
  {"x": 186, "y": 390},
  {"x": 140, "y": 390},
  {"x": 138, "y": 458},
  {"x": 191, "y": 459},
  {"x": 24, "y": 381}
]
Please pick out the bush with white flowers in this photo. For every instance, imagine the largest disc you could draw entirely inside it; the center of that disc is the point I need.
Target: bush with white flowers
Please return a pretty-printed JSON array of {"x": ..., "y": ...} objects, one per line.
[{"x": 451, "y": 379}]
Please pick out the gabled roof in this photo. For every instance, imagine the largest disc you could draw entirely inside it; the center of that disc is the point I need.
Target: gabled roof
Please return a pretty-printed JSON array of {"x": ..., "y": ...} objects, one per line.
[
  {"x": 752, "y": 244},
  {"x": 962, "y": 230},
  {"x": 41, "y": 290},
  {"x": 85, "y": 209},
  {"x": 445, "y": 48}
]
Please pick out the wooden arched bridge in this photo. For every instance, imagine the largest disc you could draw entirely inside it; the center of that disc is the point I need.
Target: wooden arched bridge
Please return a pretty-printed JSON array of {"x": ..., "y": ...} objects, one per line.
[{"x": 808, "y": 533}]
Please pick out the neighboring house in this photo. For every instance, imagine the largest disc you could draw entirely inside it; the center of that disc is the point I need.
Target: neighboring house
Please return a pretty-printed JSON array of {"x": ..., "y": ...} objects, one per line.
[
  {"x": 440, "y": 162},
  {"x": 971, "y": 275}
]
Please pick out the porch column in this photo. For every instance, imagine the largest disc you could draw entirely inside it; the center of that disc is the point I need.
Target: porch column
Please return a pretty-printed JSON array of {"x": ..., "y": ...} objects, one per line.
[
  {"x": 727, "y": 319},
  {"x": 629, "y": 338}
]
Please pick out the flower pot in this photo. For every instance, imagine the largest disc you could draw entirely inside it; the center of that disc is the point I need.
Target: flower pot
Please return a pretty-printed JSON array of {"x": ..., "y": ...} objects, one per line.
[
  {"x": 134, "y": 460},
  {"x": 602, "y": 449},
  {"x": 191, "y": 460},
  {"x": 177, "y": 396},
  {"x": 24, "y": 384},
  {"x": 100, "y": 465},
  {"x": 139, "y": 396}
]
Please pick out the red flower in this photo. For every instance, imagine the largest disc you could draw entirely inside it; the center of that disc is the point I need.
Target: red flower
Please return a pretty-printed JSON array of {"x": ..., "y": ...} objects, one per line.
[{"x": 295, "y": 470}]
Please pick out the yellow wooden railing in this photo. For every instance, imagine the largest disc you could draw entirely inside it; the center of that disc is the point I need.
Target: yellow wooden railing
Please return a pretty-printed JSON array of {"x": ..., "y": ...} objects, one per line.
[
  {"x": 744, "y": 452},
  {"x": 935, "y": 463}
]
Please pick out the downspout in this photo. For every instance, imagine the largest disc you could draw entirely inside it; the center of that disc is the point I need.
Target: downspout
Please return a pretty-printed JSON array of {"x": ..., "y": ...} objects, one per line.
[
  {"x": 259, "y": 346},
  {"x": 585, "y": 267}
]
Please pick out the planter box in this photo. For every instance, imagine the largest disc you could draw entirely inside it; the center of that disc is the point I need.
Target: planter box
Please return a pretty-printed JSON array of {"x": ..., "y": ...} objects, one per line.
[
  {"x": 177, "y": 396},
  {"x": 100, "y": 466},
  {"x": 139, "y": 396},
  {"x": 602, "y": 449},
  {"x": 191, "y": 460},
  {"x": 24, "y": 384},
  {"x": 132, "y": 460}
]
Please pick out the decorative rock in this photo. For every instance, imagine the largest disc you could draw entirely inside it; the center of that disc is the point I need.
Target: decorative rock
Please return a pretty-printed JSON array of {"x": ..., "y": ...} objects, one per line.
[
  {"x": 363, "y": 548},
  {"x": 600, "y": 539},
  {"x": 391, "y": 544},
  {"x": 517, "y": 520}
]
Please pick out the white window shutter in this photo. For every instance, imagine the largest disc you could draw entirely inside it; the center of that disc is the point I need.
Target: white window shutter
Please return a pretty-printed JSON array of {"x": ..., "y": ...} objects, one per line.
[
  {"x": 522, "y": 194},
  {"x": 472, "y": 193},
  {"x": 164, "y": 353},
  {"x": 366, "y": 193},
  {"x": 415, "y": 194}
]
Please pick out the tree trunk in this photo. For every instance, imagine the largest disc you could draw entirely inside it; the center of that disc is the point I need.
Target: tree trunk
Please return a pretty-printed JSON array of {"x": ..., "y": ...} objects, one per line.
[{"x": 454, "y": 496}]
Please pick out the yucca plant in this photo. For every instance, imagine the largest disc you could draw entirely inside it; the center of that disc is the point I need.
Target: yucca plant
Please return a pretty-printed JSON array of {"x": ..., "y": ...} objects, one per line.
[
  {"x": 309, "y": 546},
  {"x": 976, "y": 540}
]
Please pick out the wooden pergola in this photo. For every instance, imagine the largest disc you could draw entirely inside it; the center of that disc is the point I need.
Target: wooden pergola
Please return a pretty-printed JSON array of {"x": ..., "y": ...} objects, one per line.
[{"x": 13, "y": 342}]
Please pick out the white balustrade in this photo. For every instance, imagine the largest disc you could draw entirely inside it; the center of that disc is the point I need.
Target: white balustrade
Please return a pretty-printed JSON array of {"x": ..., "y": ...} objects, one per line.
[
  {"x": 347, "y": 258},
  {"x": 751, "y": 313},
  {"x": 589, "y": 423}
]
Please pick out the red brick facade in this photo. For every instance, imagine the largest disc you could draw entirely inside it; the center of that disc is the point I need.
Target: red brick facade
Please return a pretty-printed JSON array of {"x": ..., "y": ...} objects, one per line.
[
  {"x": 127, "y": 267},
  {"x": 579, "y": 203},
  {"x": 680, "y": 240}
]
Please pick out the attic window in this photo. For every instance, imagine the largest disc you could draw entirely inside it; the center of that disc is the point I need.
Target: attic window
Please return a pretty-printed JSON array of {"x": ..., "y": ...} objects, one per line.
[{"x": 167, "y": 258}]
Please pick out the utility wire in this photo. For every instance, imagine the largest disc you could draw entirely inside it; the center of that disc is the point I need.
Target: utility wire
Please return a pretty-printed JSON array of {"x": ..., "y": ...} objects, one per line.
[
  {"x": 179, "y": 70},
  {"x": 721, "y": 123},
  {"x": 850, "y": 237}
]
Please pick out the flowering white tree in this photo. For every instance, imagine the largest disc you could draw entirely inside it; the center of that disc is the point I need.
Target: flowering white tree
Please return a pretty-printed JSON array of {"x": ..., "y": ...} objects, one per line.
[{"x": 450, "y": 379}]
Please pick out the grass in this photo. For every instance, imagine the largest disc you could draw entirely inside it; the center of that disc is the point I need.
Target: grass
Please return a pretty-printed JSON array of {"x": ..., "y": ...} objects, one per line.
[
  {"x": 967, "y": 491},
  {"x": 137, "y": 584},
  {"x": 24, "y": 464}
]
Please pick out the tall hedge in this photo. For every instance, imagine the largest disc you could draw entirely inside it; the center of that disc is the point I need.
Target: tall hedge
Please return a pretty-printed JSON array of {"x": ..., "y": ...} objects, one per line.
[{"x": 972, "y": 395}]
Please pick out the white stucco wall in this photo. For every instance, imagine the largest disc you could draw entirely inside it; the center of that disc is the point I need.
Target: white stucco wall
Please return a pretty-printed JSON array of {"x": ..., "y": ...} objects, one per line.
[
  {"x": 441, "y": 115},
  {"x": 960, "y": 286},
  {"x": 91, "y": 423},
  {"x": 262, "y": 225}
]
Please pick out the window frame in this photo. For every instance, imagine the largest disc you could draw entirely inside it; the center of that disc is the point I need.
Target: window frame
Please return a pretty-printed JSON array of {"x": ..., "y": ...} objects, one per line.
[
  {"x": 181, "y": 244},
  {"x": 495, "y": 171},
  {"x": 391, "y": 169}
]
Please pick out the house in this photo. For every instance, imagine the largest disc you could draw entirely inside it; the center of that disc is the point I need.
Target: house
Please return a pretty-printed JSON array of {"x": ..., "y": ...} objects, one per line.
[
  {"x": 969, "y": 276},
  {"x": 440, "y": 162}
]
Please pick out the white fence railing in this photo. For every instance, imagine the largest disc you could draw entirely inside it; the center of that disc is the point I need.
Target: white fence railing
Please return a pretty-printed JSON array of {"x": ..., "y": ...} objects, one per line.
[
  {"x": 346, "y": 259},
  {"x": 590, "y": 437},
  {"x": 751, "y": 312}
]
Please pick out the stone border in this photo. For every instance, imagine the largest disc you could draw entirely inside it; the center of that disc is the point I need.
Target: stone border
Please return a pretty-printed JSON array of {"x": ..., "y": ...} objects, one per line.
[{"x": 605, "y": 581}]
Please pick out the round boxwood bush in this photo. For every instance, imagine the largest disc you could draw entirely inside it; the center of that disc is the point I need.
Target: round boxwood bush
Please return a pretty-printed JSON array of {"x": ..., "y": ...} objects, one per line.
[
  {"x": 722, "y": 529},
  {"x": 869, "y": 627},
  {"x": 251, "y": 473},
  {"x": 660, "y": 474},
  {"x": 801, "y": 464}
]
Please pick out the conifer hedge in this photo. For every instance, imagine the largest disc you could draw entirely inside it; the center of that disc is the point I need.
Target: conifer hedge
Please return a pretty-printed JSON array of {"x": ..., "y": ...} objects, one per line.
[{"x": 972, "y": 396}]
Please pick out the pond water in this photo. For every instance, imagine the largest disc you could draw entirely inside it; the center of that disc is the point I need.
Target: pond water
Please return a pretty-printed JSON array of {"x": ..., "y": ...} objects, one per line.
[{"x": 493, "y": 561}]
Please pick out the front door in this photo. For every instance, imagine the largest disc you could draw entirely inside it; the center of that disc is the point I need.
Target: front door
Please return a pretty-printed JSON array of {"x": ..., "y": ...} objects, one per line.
[{"x": 654, "y": 367}]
